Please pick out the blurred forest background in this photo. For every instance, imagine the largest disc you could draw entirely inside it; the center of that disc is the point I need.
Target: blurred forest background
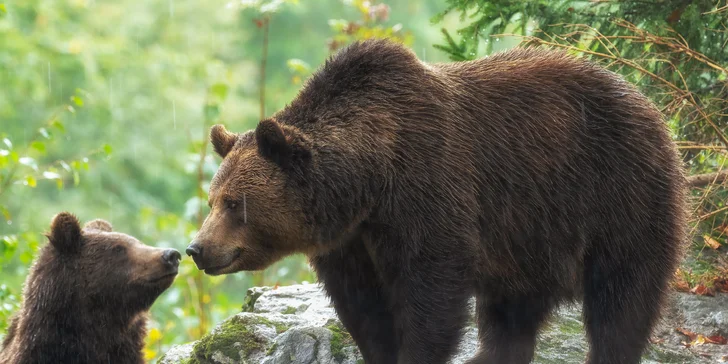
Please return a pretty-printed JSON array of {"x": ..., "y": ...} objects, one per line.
[{"x": 105, "y": 109}]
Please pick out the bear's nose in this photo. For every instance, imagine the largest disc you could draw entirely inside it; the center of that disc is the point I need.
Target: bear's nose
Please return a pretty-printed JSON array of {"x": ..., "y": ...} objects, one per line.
[
  {"x": 171, "y": 257},
  {"x": 194, "y": 249}
]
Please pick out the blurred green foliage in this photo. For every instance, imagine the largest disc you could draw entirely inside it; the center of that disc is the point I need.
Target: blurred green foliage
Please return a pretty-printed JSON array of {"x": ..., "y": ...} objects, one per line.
[{"x": 105, "y": 110}]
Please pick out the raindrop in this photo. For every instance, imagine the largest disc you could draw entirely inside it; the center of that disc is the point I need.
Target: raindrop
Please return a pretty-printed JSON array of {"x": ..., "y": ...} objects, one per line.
[
  {"x": 245, "y": 210},
  {"x": 10, "y": 222}
]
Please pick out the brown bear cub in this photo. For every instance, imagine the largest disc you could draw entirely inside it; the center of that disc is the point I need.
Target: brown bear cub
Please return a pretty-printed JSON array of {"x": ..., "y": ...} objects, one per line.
[
  {"x": 87, "y": 296},
  {"x": 528, "y": 179}
]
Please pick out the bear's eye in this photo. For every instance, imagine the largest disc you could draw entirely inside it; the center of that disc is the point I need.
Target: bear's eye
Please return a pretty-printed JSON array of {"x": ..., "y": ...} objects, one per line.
[
  {"x": 231, "y": 204},
  {"x": 118, "y": 249}
]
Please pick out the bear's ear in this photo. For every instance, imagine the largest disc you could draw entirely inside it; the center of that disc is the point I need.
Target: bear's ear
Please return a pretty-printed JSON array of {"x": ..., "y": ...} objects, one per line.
[
  {"x": 282, "y": 144},
  {"x": 222, "y": 140},
  {"x": 65, "y": 233},
  {"x": 98, "y": 224}
]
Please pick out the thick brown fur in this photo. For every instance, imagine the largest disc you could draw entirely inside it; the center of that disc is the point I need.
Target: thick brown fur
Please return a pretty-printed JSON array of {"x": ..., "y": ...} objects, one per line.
[
  {"x": 528, "y": 179},
  {"x": 86, "y": 297}
]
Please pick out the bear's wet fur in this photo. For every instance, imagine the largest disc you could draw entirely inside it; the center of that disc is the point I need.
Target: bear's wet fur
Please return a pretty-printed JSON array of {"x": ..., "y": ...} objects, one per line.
[
  {"x": 87, "y": 296},
  {"x": 529, "y": 179}
]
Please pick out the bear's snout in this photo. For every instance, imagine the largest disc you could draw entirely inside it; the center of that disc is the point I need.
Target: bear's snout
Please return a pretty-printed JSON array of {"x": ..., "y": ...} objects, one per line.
[
  {"x": 171, "y": 257},
  {"x": 194, "y": 249}
]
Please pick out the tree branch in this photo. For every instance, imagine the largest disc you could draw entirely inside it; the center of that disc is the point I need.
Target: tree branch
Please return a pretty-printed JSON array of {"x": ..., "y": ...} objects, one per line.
[{"x": 700, "y": 180}]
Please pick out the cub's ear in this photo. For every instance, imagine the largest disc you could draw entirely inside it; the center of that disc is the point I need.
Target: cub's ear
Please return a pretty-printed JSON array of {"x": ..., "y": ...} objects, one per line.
[
  {"x": 282, "y": 144},
  {"x": 222, "y": 140},
  {"x": 98, "y": 224},
  {"x": 65, "y": 233}
]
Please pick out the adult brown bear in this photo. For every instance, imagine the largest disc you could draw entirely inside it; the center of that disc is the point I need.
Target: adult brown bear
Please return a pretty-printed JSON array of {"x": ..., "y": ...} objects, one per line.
[
  {"x": 86, "y": 297},
  {"x": 528, "y": 179}
]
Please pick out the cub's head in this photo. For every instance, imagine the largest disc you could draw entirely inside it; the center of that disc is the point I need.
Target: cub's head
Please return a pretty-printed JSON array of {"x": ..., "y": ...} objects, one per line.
[
  {"x": 107, "y": 267},
  {"x": 256, "y": 200}
]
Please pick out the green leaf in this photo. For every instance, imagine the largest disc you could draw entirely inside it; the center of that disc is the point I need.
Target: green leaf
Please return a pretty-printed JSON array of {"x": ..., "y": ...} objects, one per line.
[
  {"x": 219, "y": 90},
  {"x": 107, "y": 149},
  {"x": 76, "y": 178},
  {"x": 3, "y": 9},
  {"x": 39, "y": 146},
  {"x": 77, "y": 100},
  {"x": 59, "y": 183},
  {"x": 5, "y": 212},
  {"x": 30, "y": 181},
  {"x": 58, "y": 125}
]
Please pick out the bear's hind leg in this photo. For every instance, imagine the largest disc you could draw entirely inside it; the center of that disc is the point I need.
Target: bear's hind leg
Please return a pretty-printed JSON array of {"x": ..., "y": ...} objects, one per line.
[
  {"x": 626, "y": 274},
  {"x": 508, "y": 327},
  {"x": 351, "y": 281},
  {"x": 621, "y": 306}
]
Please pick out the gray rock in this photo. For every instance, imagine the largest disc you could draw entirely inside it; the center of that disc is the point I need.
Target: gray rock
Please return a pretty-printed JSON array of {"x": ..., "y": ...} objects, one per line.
[{"x": 297, "y": 325}]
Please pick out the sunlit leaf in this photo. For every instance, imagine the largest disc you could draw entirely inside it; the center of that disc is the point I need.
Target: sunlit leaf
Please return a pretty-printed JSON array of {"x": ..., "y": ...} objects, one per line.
[
  {"x": 39, "y": 146},
  {"x": 77, "y": 100},
  {"x": 28, "y": 161},
  {"x": 107, "y": 149},
  {"x": 298, "y": 66},
  {"x": 3, "y": 9},
  {"x": 51, "y": 175},
  {"x": 76, "y": 178},
  {"x": 149, "y": 354},
  {"x": 65, "y": 166},
  {"x": 154, "y": 335},
  {"x": 220, "y": 90},
  {"x": 30, "y": 181},
  {"x": 4, "y": 152}
]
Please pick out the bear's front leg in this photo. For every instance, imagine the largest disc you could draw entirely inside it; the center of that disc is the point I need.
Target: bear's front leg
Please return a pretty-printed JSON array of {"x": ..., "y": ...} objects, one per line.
[
  {"x": 350, "y": 279},
  {"x": 430, "y": 285}
]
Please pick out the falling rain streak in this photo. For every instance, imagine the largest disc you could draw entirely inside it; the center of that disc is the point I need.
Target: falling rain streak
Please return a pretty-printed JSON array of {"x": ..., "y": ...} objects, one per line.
[{"x": 245, "y": 210}]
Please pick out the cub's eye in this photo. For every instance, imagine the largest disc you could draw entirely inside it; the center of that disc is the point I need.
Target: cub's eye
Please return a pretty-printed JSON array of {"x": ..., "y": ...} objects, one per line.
[
  {"x": 231, "y": 205},
  {"x": 118, "y": 249}
]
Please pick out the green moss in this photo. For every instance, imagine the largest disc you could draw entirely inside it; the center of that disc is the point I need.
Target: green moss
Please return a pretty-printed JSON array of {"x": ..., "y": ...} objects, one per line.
[
  {"x": 360, "y": 361},
  {"x": 272, "y": 349},
  {"x": 571, "y": 327},
  {"x": 237, "y": 330},
  {"x": 340, "y": 338},
  {"x": 290, "y": 310},
  {"x": 250, "y": 298},
  {"x": 264, "y": 321}
]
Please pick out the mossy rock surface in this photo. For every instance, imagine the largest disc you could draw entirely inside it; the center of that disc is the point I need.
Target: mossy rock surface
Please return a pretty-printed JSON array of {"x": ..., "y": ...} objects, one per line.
[{"x": 297, "y": 325}]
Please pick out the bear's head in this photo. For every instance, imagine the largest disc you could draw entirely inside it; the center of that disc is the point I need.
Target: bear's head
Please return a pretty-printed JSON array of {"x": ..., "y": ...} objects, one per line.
[
  {"x": 257, "y": 214},
  {"x": 107, "y": 268}
]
